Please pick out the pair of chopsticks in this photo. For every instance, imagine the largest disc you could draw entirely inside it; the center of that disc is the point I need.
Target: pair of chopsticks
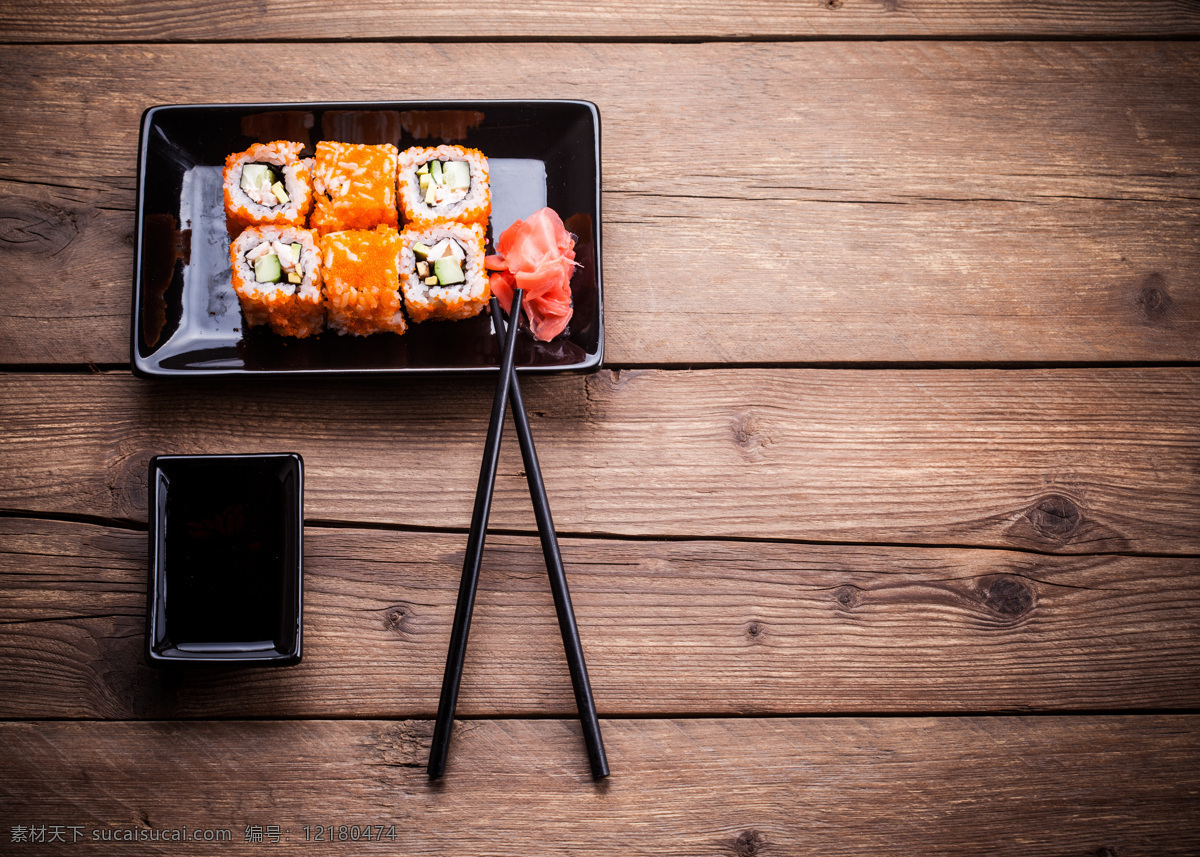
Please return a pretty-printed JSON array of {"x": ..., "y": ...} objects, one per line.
[{"x": 509, "y": 388}]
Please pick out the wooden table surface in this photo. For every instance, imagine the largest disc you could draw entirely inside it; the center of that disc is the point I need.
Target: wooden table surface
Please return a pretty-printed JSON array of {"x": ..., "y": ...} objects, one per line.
[{"x": 882, "y": 520}]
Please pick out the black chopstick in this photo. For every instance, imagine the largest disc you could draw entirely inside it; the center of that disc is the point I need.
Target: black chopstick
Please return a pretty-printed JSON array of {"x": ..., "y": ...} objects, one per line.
[
  {"x": 470, "y": 573},
  {"x": 554, "y": 564}
]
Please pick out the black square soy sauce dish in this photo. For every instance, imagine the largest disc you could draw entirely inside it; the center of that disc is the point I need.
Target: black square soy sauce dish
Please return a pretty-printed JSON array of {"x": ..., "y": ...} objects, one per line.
[
  {"x": 225, "y": 549},
  {"x": 186, "y": 320}
]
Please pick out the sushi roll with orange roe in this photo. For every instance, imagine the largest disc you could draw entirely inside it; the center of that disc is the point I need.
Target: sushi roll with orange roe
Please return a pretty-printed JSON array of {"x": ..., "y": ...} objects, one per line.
[
  {"x": 361, "y": 271},
  {"x": 444, "y": 183},
  {"x": 277, "y": 278},
  {"x": 355, "y": 187},
  {"x": 267, "y": 185},
  {"x": 442, "y": 271}
]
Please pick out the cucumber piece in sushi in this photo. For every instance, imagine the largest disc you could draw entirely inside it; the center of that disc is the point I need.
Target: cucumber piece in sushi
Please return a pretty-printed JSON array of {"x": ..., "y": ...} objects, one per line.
[
  {"x": 457, "y": 175},
  {"x": 255, "y": 176}
]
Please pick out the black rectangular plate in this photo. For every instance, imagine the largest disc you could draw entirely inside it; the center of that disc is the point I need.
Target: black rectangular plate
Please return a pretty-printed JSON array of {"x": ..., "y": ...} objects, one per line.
[{"x": 186, "y": 320}]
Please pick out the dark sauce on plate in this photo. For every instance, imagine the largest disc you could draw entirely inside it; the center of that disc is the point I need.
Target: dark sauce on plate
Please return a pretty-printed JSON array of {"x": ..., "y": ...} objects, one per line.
[{"x": 225, "y": 559}]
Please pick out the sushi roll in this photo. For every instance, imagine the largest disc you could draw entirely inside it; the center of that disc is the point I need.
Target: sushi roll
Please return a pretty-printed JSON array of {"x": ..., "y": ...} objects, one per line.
[
  {"x": 442, "y": 271},
  {"x": 444, "y": 183},
  {"x": 361, "y": 275},
  {"x": 267, "y": 185},
  {"x": 355, "y": 187},
  {"x": 277, "y": 278}
]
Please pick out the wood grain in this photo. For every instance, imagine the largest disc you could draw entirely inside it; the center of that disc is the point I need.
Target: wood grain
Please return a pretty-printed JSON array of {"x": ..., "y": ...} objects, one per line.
[
  {"x": 911, "y": 202},
  {"x": 844, "y": 786},
  {"x": 687, "y": 628},
  {"x": 73, "y": 20},
  {"x": 1062, "y": 461}
]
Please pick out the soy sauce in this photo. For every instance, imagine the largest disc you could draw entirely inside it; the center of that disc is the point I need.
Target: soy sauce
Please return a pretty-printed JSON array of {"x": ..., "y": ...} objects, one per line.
[{"x": 225, "y": 558}]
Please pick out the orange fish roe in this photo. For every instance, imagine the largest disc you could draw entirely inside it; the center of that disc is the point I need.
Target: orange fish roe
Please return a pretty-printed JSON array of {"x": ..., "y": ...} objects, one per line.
[
  {"x": 288, "y": 316},
  {"x": 362, "y": 281},
  {"x": 355, "y": 187}
]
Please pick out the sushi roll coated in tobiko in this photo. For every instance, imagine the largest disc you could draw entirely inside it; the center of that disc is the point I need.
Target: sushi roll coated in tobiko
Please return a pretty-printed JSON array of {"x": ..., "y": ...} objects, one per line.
[
  {"x": 355, "y": 187},
  {"x": 267, "y": 185},
  {"x": 277, "y": 278},
  {"x": 444, "y": 183},
  {"x": 360, "y": 269},
  {"x": 442, "y": 271}
]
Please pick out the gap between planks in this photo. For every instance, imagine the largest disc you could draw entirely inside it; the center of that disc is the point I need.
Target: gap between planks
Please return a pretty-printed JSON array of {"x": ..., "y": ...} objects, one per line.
[
  {"x": 141, "y": 526},
  {"x": 635, "y": 717},
  {"x": 693, "y": 366},
  {"x": 650, "y": 40}
]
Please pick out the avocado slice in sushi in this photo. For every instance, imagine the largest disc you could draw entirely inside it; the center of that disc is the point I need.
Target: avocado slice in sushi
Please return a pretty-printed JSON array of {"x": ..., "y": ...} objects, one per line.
[
  {"x": 267, "y": 269},
  {"x": 448, "y": 271}
]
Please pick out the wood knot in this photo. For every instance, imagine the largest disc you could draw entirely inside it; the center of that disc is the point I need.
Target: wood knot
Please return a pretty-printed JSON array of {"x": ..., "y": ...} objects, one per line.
[
  {"x": 751, "y": 843},
  {"x": 404, "y": 744},
  {"x": 1055, "y": 516},
  {"x": 615, "y": 379},
  {"x": 31, "y": 226},
  {"x": 1153, "y": 301},
  {"x": 1055, "y": 520},
  {"x": 126, "y": 475},
  {"x": 399, "y": 618},
  {"x": 1105, "y": 851},
  {"x": 756, "y": 632},
  {"x": 599, "y": 391},
  {"x": 1009, "y": 597},
  {"x": 748, "y": 436},
  {"x": 832, "y": 4},
  {"x": 846, "y": 596}
]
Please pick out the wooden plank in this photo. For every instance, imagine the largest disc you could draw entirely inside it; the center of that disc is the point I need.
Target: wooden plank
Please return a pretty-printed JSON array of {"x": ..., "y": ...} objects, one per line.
[
  {"x": 926, "y": 202},
  {"x": 1062, "y": 461},
  {"x": 844, "y": 786},
  {"x": 73, "y": 20},
  {"x": 46, "y": 232},
  {"x": 793, "y": 628}
]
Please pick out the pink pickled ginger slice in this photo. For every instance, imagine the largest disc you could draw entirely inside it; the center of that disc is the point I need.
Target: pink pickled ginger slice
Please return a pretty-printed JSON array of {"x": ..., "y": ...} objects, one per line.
[{"x": 537, "y": 255}]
